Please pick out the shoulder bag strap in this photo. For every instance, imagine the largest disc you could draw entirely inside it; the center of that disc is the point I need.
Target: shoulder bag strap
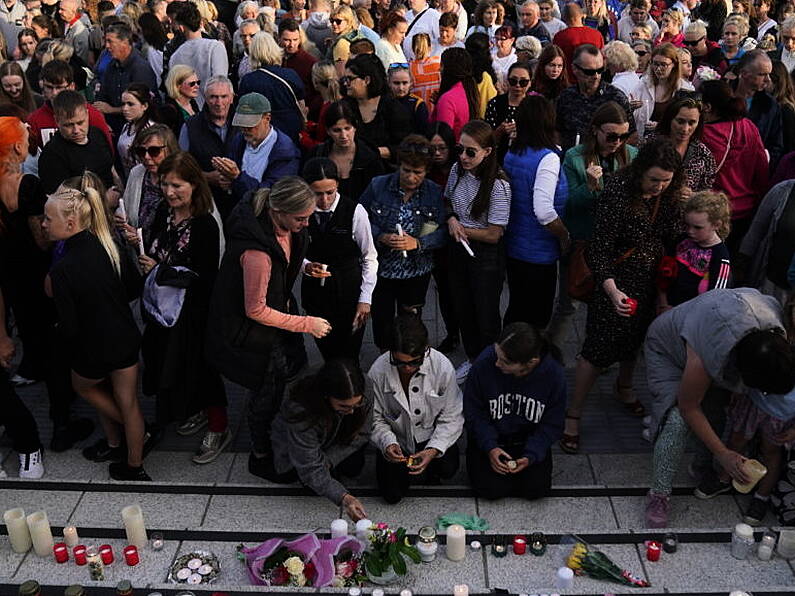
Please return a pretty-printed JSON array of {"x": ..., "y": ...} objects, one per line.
[
  {"x": 629, "y": 252},
  {"x": 414, "y": 22},
  {"x": 290, "y": 88},
  {"x": 728, "y": 148}
]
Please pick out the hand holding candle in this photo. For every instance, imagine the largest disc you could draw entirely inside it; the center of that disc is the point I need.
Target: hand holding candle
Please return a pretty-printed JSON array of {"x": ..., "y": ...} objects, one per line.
[
  {"x": 399, "y": 229},
  {"x": 140, "y": 233}
]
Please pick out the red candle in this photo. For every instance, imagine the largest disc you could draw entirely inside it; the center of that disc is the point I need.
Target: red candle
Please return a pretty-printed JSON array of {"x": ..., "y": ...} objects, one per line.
[
  {"x": 131, "y": 555},
  {"x": 633, "y": 305},
  {"x": 61, "y": 552},
  {"x": 106, "y": 552},
  {"x": 80, "y": 554},
  {"x": 653, "y": 549},
  {"x": 519, "y": 545}
]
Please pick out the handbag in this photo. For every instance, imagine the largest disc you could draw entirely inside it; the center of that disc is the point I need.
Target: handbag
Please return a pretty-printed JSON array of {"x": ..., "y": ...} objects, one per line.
[
  {"x": 164, "y": 293},
  {"x": 580, "y": 283}
]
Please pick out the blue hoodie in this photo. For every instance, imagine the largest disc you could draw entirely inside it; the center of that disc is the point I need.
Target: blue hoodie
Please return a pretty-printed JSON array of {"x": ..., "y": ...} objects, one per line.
[{"x": 503, "y": 410}]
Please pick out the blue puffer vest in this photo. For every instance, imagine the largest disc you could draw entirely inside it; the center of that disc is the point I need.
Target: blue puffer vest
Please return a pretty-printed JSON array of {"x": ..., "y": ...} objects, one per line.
[{"x": 525, "y": 238}]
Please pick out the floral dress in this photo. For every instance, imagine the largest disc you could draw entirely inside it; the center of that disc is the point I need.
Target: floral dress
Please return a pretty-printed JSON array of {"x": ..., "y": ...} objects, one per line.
[{"x": 624, "y": 221}]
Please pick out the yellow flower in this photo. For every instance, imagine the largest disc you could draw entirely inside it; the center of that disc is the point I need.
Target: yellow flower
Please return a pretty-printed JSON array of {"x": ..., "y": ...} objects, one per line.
[
  {"x": 300, "y": 580},
  {"x": 294, "y": 566}
]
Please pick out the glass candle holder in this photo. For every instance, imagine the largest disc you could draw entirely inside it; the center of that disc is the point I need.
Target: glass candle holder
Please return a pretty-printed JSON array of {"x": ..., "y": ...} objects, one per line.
[{"x": 157, "y": 542}]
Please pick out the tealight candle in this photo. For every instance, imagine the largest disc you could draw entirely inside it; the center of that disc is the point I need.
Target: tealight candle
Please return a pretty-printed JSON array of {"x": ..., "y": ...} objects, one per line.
[
  {"x": 157, "y": 542},
  {"x": 40, "y": 533},
  {"x": 18, "y": 531},
  {"x": 519, "y": 545},
  {"x": 460, "y": 590},
  {"x": 61, "y": 552},
  {"x": 669, "y": 543},
  {"x": 79, "y": 553},
  {"x": 653, "y": 550},
  {"x": 106, "y": 552},
  {"x": 131, "y": 555},
  {"x": 70, "y": 537},
  {"x": 456, "y": 542},
  {"x": 339, "y": 528}
]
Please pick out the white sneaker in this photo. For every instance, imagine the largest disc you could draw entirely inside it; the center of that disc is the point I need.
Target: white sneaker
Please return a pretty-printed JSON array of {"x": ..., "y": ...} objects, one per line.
[
  {"x": 646, "y": 421},
  {"x": 3, "y": 474},
  {"x": 31, "y": 465},
  {"x": 646, "y": 434},
  {"x": 462, "y": 372}
]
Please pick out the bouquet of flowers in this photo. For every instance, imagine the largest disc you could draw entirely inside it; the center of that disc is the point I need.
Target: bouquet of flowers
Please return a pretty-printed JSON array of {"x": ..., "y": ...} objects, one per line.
[
  {"x": 387, "y": 550},
  {"x": 277, "y": 562},
  {"x": 705, "y": 73},
  {"x": 588, "y": 561},
  {"x": 339, "y": 563}
]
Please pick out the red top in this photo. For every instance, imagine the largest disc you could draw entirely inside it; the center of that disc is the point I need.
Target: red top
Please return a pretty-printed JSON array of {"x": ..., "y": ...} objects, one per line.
[{"x": 568, "y": 39}]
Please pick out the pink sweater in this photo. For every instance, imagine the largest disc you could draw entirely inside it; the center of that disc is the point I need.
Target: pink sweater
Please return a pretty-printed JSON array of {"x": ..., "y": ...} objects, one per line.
[
  {"x": 744, "y": 173},
  {"x": 453, "y": 109}
]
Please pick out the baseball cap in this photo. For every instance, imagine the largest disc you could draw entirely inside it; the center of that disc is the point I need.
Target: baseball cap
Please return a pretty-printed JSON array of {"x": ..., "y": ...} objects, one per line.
[{"x": 250, "y": 109}]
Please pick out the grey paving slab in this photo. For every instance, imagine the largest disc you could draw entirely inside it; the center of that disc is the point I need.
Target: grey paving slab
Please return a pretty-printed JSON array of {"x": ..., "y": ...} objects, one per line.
[
  {"x": 533, "y": 575},
  {"x": 161, "y": 511},
  {"x": 58, "y": 505},
  {"x": 239, "y": 474},
  {"x": 686, "y": 512},
  {"x": 152, "y": 567},
  {"x": 277, "y": 514},
  {"x": 176, "y": 467},
  {"x": 553, "y": 514},
  {"x": 414, "y": 512},
  {"x": 695, "y": 566},
  {"x": 633, "y": 469},
  {"x": 9, "y": 560},
  {"x": 571, "y": 470}
]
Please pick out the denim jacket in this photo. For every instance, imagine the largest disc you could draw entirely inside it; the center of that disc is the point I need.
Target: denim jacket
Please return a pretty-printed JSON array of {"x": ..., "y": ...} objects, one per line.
[{"x": 382, "y": 199}]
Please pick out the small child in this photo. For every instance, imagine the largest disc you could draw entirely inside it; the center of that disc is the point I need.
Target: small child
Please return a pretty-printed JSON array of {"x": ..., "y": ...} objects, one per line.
[{"x": 701, "y": 262}]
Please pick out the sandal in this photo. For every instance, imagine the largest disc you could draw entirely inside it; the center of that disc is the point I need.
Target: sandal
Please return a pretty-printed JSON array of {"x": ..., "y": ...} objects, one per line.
[
  {"x": 570, "y": 443},
  {"x": 635, "y": 408}
]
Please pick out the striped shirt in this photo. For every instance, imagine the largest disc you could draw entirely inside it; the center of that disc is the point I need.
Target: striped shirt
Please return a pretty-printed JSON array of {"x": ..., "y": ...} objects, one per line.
[{"x": 461, "y": 191}]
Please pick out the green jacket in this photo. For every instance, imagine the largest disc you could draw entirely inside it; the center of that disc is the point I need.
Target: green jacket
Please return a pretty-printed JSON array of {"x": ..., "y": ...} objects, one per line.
[{"x": 582, "y": 200}]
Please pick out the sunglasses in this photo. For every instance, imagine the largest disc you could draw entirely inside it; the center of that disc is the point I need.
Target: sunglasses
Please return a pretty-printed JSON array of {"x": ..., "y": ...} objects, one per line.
[
  {"x": 589, "y": 72},
  {"x": 469, "y": 151},
  {"x": 693, "y": 43},
  {"x": 336, "y": 22},
  {"x": 413, "y": 363},
  {"x": 193, "y": 83},
  {"x": 516, "y": 82},
  {"x": 152, "y": 151},
  {"x": 642, "y": 53},
  {"x": 347, "y": 80},
  {"x": 397, "y": 65},
  {"x": 612, "y": 137}
]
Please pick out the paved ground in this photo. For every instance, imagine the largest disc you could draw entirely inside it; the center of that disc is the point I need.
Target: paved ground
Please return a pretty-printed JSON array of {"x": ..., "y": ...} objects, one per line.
[{"x": 597, "y": 495}]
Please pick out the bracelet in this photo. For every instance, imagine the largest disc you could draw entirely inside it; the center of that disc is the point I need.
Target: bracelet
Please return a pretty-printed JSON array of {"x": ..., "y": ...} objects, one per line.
[{"x": 451, "y": 215}]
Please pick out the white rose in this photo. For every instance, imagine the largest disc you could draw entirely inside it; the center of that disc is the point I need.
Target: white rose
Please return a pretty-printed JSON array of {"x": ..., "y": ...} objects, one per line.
[{"x": 294, "y": 566}]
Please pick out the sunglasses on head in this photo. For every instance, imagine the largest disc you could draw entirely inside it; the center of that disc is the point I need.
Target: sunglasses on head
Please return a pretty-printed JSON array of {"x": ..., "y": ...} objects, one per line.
[
  {"x": 693, "y": 43},
  {"x": 469, "y": 151},
  {"x": 517, "y": 82},
  {"x": 612, "y": 137},
  {"x": 589, "y": 72},
  {"x": 151, "y": 151},
  {"x": 337, "y": 22},
  {"x": 398, "y": 65}
]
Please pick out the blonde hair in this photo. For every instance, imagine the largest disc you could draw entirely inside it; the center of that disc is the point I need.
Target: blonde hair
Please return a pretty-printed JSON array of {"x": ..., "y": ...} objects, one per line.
[
  {"x": 324, "y": 79},
  {"x": 264, "y": 50},
  {"x": 87, "y": 206},
  {"x": 203, "y": 8},
  {"x": 620, "y": 57},
  {"x": 740, "y": 21},
  {"x": 675, "y": 15},
  {"x": 290, "y": 194},
  {"x": 131, "y": 9},
  {"x": 345, "y": 11},
  {"x": 364, "y": 17},
  {"x": 421, "y": 44},
  {"x": 58, "y": 50},
  {"x": 717, "y": 207},
  {"x": 176, "y": 76}
]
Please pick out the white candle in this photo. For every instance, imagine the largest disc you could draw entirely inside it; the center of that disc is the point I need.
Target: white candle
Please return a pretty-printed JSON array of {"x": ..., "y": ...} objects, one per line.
[
  {"x": 400, "y": 233},
  {"x": 18, "y": 532},
  {"x": 363, "y": 529},
  {"x": 323, "y": 279},
  {"x": 140, "y": 233},
  {"x": 133, "y": 519},
  {"x": 460, "y": 590},
  {"x": 456, "y": 542},
  {"x": 339, "y": 528},
  {"x": 40, "y": 533},
  {"x": 121, "y": 211},
  {"x": 70, "y": 537}
]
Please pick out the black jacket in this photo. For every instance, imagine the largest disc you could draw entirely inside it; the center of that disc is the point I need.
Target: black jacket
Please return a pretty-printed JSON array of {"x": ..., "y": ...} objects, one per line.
[
  {"x": 367, "y": 164},
  {"x": 237, "y": 345}
]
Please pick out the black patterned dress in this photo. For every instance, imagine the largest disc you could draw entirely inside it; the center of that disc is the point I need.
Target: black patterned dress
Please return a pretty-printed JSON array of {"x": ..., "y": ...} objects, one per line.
[{"x": 623, "y": 221}]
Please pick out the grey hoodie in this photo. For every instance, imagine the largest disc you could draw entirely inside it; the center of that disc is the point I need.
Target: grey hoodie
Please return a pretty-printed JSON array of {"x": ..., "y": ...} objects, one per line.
[{"x": 318, "y": 30}]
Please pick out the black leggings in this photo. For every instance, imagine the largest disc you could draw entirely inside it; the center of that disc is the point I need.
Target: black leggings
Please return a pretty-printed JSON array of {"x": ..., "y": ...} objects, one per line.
[
  {"x": 533, "y": 482},
  {"x": 17, "y": 419},
  {"x": 394, "y": 480}
]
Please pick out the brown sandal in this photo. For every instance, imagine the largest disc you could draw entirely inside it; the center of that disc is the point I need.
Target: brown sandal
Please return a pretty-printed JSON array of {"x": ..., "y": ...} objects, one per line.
[
  {"x": 635, "y": 408},
  {"x": 570, "y": 443}
]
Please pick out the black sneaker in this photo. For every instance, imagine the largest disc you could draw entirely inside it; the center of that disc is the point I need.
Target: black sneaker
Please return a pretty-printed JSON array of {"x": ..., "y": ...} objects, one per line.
[
  {"x": 121, "y": 471},
  {"x": 449, "y": 344},
  {"x": 711, "y": 486},
  {"x": 65, "y": 436},
  {"x": 101, "y": 451},
  {"x": 756, "y": 512},
  {"x": 261, "y": 467}
]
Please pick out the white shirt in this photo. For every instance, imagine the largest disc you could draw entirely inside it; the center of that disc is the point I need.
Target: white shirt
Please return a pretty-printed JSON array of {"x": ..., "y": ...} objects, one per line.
[
  {"x": 427, "y": 23},
  {"x": 363, "y": 237},
  {"x": 626, "y": 24},
  {"x": 554, "y": 26},
  {"x": 626, "y": 81},
  {"x": 544, "y": 187},
  {"x": 501, "y": 66},
  {"x": 681, "y": 7},
  {"x": 432, "y": 412},
  {"x": 389, "y": 53},
  {"x": 255, "y": 159},
  {"x": 764, "y": 28}
]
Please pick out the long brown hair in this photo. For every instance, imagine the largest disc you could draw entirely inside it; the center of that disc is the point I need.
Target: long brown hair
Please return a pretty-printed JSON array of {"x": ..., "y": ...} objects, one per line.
[
  {"x": 184, "y": 165},
  {"x": 488, "y": 170},
  {"x": 667, "y": 50},
  {"x": 608, "y": 113},
  {"x": 550, "y": 88},
  {"x": 27, "y": 101}
]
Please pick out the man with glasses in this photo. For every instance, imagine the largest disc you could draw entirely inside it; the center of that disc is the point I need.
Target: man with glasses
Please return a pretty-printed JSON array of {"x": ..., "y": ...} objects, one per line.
[
  {"x": 54, "y": 77},
  {"x": 575, "y": 34},
  {"x": 576, "y": 105},
  {"x": 260, "y": 154},
  {"x": 247, "y": 30},
  {"x": 417, "y": 412},
  {"x": 638, "y": 14},
  {"x": 530, "y": 22},
  {"x": 754, "y": 70},
  {"x": 705, "y": 52},
  {"x": 786, "y": 53}
]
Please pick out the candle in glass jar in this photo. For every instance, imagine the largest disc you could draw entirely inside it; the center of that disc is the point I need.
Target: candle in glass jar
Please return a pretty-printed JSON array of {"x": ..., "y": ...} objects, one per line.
[
  {"x": 670, "y": 543},
  {"x": 96, "y": 569},
  {"x": 653, "y": 551},
  {"x": 70, "y": 537},
  {"x": 79, "y": 553},
  {"x": 134, "y": 525},
  {"x": 339, "y": 528},
  {"x": 61, "y": 552},
  {"x": 519, "y": 545},
  {"x": 157, "y": 541},
  {"x": 18, "y": 531},
  {"x": 40, "y": 533},
  {"x": 131, "y": 555},
  {"x": 456, "y": 542},
  {"x": 460, "y": 590},
  {"x": 106, "y": 552},
  {"x": 363, "y": 529}
]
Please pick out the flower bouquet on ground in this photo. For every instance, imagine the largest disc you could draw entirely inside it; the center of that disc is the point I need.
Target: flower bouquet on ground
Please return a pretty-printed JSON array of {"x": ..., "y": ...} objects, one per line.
[
  {"x": 385, "y": 560},
  {"x": 339, "y": 563},
  {"x": 590, "y": 562},
  {"x": 277, "y": 562}
]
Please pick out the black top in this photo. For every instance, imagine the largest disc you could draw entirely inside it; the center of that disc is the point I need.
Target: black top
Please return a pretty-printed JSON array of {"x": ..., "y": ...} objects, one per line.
[
  {"x": 367, "y": 164},
  {"x": 18, "y": 248},
  {"x": 94, "y": 317},
  {"x": 391, "y": 124},
  {"x": 61, "y": 159}
]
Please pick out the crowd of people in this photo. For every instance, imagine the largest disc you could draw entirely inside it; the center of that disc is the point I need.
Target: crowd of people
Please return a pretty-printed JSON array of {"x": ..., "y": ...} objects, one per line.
[{"x": 172, "y": 169}]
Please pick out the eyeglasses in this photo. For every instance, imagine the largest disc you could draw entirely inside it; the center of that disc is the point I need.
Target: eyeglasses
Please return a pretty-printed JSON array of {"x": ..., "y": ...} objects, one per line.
[
  {"x": 348, "y": 79},
  {"x": 193, "y": 83},
  {"x": 438, "y": 149},
  {"x": 589, "y": 72},
  {"x": 516, "y": 82},
  {"x": 661, "y": 65},
  {"x": 152, "y": 151},
  {"x": 470, "y": 151},
  {"x": 695, "y": 42},
  {"x": 397, "y": 65},
  {"x": 612, "y": 137},
  {"x": 413, "y": 363},
  {"x": 420, "y": 148},
  {"x": 641, "y": 53},
  {"x": 336, "y": 22}
]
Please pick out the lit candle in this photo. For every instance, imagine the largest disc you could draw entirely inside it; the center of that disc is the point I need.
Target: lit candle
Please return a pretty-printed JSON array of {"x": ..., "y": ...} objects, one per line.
[
  {"x": 519, "y": 545},
  {"x": 460, "y": 590},
  {"x": 40, "y": 533},
  {"x": 653, "y": 551},
  {"x": 61, "y": 552},
  {"x": 456, "y": 542},
  {"x": 669, "y": 543},
  {"x": 106, "y": 552},
  {"x": 363, "y": 529},
  {"x": 79, "y": 552},
  {"x": 131, "y": 555},
  {"x": 157, "y": 542},
  {"x": 70, "y": 537},
  {"x": 339, "y": 528},
  {"x": 18, "y": 531},
  {"x": 134, "y": 525}
]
